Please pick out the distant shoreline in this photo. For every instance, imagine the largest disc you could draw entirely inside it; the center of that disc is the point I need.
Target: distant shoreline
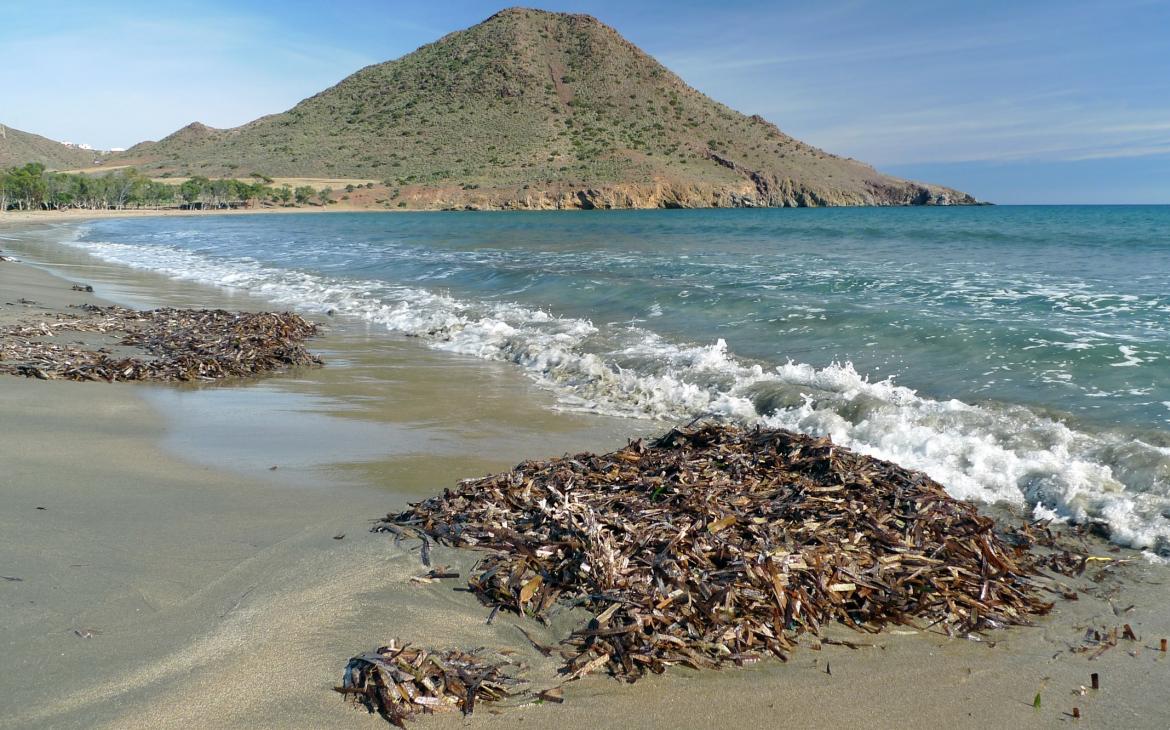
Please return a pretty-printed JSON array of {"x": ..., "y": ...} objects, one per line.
[
  {"x": 77, "y": 215},
  {"x": 16, "y": 217}
]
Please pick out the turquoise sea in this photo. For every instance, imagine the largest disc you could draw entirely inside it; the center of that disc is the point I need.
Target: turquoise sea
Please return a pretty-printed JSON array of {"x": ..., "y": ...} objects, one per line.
[{"x": 1017, "y": 354}]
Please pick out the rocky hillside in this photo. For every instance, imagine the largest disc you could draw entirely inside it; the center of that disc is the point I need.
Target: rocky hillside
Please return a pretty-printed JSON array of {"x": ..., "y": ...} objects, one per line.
[
  {"x": 532, "y": 109},
  {"x": 19, "y": 148}
]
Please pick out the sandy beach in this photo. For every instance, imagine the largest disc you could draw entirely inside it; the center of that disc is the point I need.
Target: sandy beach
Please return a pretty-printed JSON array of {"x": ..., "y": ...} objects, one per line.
[{"x": 159, "y": 572}]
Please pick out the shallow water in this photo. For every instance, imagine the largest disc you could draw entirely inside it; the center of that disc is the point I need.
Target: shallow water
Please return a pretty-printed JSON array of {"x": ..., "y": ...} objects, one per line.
[{"x": 1017, "y": 354}]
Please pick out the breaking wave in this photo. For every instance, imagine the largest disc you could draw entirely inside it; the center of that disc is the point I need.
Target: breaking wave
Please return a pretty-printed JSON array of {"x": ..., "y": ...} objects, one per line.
[{"x": 993, "y": 452}]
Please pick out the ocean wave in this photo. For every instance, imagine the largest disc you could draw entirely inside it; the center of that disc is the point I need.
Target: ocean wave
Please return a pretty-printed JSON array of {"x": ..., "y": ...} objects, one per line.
[{"x": 994, "y": 453}]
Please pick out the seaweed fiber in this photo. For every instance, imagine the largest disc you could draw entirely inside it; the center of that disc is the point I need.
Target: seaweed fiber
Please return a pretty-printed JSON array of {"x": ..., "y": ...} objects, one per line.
[
  {"x": 718, "y": 545},
  {"x": 399, "y": 681},
  {"x": 163, "y": 344}
]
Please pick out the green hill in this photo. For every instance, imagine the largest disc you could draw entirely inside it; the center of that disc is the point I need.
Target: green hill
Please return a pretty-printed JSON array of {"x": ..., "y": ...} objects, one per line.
[
  {"x": 19, "y": 148},
  {"x": 533, "y": 109}
]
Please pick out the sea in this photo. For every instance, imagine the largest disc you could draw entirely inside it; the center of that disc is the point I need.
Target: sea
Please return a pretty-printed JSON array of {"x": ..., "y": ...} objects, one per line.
[{"x": 1020, "y": 355}]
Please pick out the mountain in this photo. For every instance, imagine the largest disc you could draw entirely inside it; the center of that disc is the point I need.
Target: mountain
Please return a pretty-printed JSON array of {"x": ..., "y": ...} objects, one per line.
[
  {"x": 19, "y": 148},
  {"x": 532, "y": 109}
]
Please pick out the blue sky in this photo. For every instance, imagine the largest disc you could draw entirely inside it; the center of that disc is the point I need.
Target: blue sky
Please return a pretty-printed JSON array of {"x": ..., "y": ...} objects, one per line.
[{"x": 1016, "y": 102}]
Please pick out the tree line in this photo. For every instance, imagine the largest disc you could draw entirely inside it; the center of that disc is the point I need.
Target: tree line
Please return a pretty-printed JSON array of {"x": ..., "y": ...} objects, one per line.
[{"x": 32, "y": 187}]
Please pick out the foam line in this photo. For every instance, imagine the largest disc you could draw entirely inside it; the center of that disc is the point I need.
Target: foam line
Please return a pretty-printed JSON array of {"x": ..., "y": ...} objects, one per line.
[{"x": 987, "y": 453}]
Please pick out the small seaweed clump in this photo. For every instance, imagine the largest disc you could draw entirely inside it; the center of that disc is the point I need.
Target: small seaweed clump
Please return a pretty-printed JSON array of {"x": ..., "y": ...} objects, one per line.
[
  {"x": 175, "y": 345},
  {"x": 723, "y": 545},
  {"x": 398, "y": 681}
]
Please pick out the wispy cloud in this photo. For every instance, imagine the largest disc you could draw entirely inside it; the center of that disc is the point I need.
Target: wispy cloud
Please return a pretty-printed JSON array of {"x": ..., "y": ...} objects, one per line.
[
  {"x": 927, "y": 83},
  {"x": 726, "y": 59},
  {"x": 1019, "y": 131}
]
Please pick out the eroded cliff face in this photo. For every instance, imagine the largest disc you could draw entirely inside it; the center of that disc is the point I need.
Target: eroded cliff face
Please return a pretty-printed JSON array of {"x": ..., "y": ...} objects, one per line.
[{"x": 760, "y": 192}]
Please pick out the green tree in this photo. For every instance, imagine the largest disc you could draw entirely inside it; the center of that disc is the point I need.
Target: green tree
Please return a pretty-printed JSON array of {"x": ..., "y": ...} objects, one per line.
[
  {"x": 193, "y": 189},
  {"x": 125, "y": 187},
  {"x": 27, "y": 185},
  {"x": 4, "y": 190},
  {"x": 58, "y": 190},
  {"x": 250, "y": 193},
  {"x": 155, "y": 194},
  {"x": 84, "y": 191},
  {"x": 324, "y": 195},
  {"x": 303, "y": 194},
  {"x": 284, "y": 194}
]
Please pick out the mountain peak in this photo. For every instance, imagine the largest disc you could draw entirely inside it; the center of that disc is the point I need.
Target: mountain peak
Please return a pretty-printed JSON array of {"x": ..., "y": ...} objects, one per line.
[
  {"x": 535, "y": 108},
  {"x": 525, "y": 13},
  {"x": 196, "y": 130}
]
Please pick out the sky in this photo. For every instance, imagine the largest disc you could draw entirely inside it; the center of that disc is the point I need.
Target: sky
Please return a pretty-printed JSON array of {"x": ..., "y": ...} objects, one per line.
[{"x": 1026, "y": 101}]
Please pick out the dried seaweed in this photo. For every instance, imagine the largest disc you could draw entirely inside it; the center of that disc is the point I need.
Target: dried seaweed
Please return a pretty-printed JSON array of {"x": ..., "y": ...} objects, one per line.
[
  {"x": 399, "y": 682},
  {"x": 179, "y": 344},
  {"x": 1096, "y": 642},
  {"x": 722, "y": 545},
  {"x": 1053, "y": 550}
]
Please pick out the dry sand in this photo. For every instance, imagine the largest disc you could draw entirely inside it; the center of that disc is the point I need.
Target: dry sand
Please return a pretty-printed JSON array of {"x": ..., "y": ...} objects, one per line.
[{"x": 174, "y": 580}]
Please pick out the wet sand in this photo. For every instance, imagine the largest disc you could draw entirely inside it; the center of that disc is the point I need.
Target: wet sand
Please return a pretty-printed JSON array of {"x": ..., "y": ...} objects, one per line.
[{"x": 175, "y": 580}]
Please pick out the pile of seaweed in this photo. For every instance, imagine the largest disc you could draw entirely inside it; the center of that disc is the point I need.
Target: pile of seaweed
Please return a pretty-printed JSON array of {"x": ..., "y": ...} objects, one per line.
[
  {"x": 180, "y": 344},
  {"x": 399, "y": 681},
  {"x": 718, "y": 545}
]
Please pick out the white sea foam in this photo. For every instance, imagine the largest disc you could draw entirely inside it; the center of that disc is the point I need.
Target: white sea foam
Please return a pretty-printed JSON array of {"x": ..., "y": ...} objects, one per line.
[
  {"x": 987, "y": 453},
  {"x": 1131, "y": 358}
]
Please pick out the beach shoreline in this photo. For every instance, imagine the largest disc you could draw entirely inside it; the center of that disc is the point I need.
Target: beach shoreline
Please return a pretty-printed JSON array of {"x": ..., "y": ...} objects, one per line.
[
  {"x": 18, "y": 218},
  {"x": 173, "y": 571}
]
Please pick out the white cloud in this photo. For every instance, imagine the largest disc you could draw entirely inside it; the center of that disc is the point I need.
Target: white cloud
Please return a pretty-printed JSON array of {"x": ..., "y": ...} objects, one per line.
[{"x": 903, "y": 84}]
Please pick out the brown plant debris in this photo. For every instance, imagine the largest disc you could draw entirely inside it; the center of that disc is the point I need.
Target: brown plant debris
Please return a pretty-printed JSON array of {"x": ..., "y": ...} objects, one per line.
[
  {"x": 168, "y": 344},
  {"x": 720, "y": 544},
  {"x": 398, "y": 681},
  {"x": 1098, "y": 641}
]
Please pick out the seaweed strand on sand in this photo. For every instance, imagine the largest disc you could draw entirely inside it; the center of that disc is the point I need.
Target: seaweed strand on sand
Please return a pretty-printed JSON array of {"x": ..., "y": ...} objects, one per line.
[
  {"x": 399, "y": 681},
  {"x": 165, "y": 344},
  {"x": 719, "y": 545}
]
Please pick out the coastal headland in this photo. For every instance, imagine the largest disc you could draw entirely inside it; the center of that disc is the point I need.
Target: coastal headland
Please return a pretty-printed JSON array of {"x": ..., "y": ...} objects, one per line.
[{"x": 527, "y": 110}]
